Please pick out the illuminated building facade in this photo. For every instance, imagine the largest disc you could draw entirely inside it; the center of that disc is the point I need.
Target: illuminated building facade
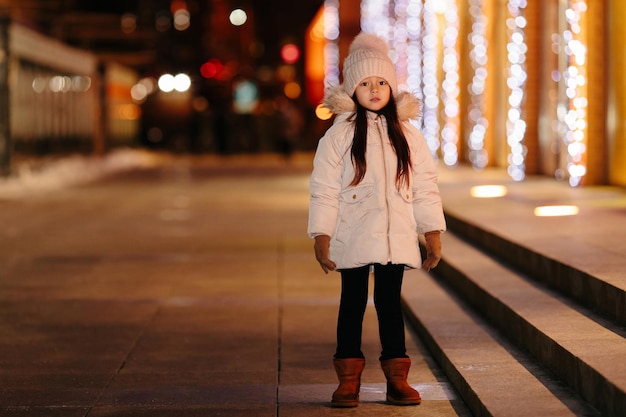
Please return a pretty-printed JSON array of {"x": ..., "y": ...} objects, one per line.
[{"x": 534, "y": 87}]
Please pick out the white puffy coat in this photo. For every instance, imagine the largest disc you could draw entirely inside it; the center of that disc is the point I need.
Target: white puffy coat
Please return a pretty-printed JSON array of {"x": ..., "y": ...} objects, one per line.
[{"x": 373, "y": 222}]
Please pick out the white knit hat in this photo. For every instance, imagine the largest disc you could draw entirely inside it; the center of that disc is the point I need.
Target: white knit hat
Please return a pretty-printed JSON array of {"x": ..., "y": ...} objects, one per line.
[{"x": 368, "y": 57}]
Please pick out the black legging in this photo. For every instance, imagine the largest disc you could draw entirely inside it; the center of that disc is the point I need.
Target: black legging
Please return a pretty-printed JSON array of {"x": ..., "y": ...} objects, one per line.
[{"x": 354, "y": 292}]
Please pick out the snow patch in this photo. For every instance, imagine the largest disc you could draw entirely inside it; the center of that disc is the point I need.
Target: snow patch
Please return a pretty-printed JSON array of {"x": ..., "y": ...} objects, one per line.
[{"x": 29, "y": 178}]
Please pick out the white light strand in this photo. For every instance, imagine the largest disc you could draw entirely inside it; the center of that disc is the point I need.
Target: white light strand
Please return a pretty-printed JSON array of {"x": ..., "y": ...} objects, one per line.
[
  {"x": 478, "y": 55},
  {"x": 331, "y": 50},
  {"x": 430, "y": 83},
  {"x": 575, "y": 120},
  {"x": 450, "y": 86},
  {"x": 414, "y": 50},
  {"x": 375, "y": 18},
  {"x": 399, "y": 49},
  {"x": 515, "y": 125}
]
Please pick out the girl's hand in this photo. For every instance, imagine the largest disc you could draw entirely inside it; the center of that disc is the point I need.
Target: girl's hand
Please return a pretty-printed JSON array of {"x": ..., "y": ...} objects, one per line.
[
  {"x": 433, "y": 250},
  {"x": 322, "y": 253}
]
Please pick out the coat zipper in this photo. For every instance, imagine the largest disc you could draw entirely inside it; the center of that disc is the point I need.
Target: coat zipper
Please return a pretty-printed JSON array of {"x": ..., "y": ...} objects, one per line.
[{"x": 379, "y": 127}]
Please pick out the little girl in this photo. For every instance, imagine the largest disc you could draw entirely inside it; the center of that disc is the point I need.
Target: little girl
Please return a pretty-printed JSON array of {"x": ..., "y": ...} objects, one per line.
[{"x": 373, "y": 190}]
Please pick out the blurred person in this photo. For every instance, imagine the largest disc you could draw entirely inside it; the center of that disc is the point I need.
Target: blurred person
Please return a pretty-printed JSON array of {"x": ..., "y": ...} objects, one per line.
[
  {"x": 290, "y": 123},
  {"x": 373, "y": 191}
]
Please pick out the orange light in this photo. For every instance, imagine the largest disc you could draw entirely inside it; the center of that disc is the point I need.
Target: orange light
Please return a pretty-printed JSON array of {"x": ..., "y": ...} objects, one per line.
[
  {"x": 292, "y": 90},
  {"x": 128, "y": 112},
  {"x": 323, "y": 113},
  {"x": 314, "y": 59}
]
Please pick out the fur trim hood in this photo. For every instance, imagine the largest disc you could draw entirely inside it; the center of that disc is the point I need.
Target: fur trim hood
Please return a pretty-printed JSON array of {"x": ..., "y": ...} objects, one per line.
[{"x": 339, "y": 102}]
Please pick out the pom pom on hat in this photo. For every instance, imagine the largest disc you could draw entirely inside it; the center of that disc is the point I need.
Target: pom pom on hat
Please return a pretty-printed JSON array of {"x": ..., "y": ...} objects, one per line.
[
  {"x": 369, "y": 41},
  {"x": 368, "y": 57}
]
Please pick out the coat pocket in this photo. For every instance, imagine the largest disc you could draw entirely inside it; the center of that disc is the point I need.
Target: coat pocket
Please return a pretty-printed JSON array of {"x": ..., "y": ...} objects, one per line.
[
  {"x": 355, "y": 206},
  {"x": 357, "y": 194}
]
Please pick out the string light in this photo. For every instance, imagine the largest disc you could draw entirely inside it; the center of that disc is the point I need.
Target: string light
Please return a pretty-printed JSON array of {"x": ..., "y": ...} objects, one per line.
[
  {"x": 414, "y": 50},
  {"x": 515, "y": 125},
  {"x": 400, "y": 23},
  {"x": 375, "y": 18},
  {"x": 399, "y": 41},
  {"x": 414, "y": 55},
  {"x": 331, "y": 50},
  {"x": 574, "y": 77},
  {"x": 450, "y": 85},
  {"x": 430, "y": 83},
  {"x": 426, "y": 57},
  {"x": 412, "y": 29},
  {"x": 478, "y": 56}
]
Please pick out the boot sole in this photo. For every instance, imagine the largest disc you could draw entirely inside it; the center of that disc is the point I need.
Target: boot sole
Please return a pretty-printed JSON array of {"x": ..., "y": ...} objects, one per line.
[
  {"x": 393, "y": 401},
  {"x": 344, "y": 404}
]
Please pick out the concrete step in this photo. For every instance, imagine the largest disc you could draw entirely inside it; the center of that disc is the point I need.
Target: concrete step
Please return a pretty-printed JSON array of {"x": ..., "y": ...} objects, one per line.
[
  {"x": 582, "y": 349},
  {"x": 493, "y": 377},
  {"x": 564, "y": 267}
]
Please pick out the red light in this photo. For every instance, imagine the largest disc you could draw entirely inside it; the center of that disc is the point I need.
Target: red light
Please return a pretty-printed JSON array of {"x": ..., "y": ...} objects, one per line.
[
  {"x": 178, "y": 5},
  {"x": 290, "y": 53},
  {"x": 211, "y": 68}
]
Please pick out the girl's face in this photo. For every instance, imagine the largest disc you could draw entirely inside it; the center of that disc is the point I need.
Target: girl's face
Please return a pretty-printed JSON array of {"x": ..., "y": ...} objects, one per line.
[{"x": 373, "y": 93}]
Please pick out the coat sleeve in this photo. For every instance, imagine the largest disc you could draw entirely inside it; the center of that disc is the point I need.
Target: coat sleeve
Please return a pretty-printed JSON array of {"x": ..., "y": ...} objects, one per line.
[
  {"x": 325, "y": 183},
  {"x": 427, "y": 206}
]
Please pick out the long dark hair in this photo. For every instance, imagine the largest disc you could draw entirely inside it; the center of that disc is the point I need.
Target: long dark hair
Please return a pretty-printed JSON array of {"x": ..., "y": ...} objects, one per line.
[{"x": 396, "y": 136}]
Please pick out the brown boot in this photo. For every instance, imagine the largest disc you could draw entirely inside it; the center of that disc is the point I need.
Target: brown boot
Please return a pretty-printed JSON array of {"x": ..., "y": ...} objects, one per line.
[
  {"x": 349, "y": 374},
  {"x": 399, "y": 392}
]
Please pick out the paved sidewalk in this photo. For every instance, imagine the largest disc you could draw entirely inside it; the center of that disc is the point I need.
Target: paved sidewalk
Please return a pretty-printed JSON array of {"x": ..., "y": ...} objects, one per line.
[{"x": 189, "y": 289}]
